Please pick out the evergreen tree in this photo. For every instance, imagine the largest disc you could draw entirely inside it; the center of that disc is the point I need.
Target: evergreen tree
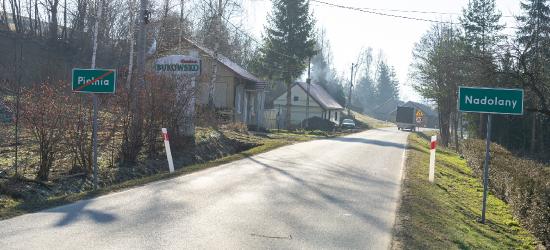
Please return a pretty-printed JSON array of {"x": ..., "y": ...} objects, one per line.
[
  {"x": 480, "y": 24},
  {"x": 535, "y": 24},
  {"x": 366, "y": 93},
  {"x": 322, "y": 72},
  {"x": 288, "y": 44},
  {"x": 481, "y": 33},
  {"x": 533, "y": 36},
  {"x": 387, "y": 85}
]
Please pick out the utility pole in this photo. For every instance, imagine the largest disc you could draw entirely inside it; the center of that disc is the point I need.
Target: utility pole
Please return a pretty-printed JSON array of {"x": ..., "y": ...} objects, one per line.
[
  {"x": 350, "y": 86},
  {"x": 307, "y": 94},
  {"x": 143, "y": 20},
  {"x": 94, "y": 94},
  {"x": 212, "y": 88}
]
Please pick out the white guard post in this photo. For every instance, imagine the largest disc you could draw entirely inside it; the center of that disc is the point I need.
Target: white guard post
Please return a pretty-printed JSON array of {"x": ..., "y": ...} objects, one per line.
[
  {"x": 432, "y": 158},
  {"x": 168, "y": 153}
]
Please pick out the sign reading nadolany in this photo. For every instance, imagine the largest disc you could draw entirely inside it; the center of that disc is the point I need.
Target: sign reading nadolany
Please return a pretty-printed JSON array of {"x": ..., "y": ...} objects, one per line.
[
  {"x": 182, "y": 66},
  {"x": 490, "y": 100}
]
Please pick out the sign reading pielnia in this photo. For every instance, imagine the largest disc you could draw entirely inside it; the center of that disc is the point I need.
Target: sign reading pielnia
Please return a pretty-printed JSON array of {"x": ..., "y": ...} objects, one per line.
[
  {"x": 490, "y": 100},
  {"x": 94, "y": 80}
]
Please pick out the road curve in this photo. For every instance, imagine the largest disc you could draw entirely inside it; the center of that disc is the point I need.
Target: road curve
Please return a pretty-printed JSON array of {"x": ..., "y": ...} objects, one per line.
[{"x": 338, "y": 193}]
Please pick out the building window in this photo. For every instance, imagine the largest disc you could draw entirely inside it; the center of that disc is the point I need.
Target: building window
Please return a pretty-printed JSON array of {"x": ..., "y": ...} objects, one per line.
[
  {"x": 239, "y": 103},
  {"x": 295, "y": 98},
  {"x": 252, "y": 106}
]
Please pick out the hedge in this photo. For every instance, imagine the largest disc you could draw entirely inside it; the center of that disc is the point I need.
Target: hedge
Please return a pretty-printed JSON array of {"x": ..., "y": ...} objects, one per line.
[
  {"x": 318, "y": 123},
  {"x": 522, "y": 183}
]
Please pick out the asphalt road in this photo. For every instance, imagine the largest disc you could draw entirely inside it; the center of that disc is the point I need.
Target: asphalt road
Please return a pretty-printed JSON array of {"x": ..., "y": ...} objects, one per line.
[{"x": 338, "y": 193}]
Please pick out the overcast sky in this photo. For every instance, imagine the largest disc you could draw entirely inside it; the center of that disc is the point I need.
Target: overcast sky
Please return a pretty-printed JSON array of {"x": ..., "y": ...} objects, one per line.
[{"x": 350, "y": 30}]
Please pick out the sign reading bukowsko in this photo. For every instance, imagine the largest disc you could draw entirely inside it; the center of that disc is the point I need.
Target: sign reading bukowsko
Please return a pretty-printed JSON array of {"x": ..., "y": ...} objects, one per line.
[
  {"x": 94, "y": 80},
  {"x": 490, "y": 100},
  {"x": 183, "y": 66}
]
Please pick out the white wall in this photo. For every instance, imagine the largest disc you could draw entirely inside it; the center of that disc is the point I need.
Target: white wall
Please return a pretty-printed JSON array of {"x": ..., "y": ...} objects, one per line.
[
  {"x": 298, "y": 108},
  {"x": 220, "y": 94}
]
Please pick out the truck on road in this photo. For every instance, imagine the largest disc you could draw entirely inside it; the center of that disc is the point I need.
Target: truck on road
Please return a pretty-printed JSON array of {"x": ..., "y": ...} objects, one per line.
[{"x": 405, "y": 118}]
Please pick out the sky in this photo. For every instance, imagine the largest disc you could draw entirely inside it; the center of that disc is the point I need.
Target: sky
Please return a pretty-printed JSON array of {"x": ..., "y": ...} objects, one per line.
[{"x": 348, "y": 31}]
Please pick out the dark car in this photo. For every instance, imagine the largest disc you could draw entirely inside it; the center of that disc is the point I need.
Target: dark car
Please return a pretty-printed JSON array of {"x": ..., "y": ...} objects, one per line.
[{"x": 348, "y": 123}]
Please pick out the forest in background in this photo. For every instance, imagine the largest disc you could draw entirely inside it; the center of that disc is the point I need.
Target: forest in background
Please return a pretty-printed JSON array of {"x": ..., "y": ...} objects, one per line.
[
  {"x": 476, "y": 52},
  {"x": 472, "y": 51}
]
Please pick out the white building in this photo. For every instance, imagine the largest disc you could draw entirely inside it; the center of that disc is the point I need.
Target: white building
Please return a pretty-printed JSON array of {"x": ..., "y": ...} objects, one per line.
[{"x": 321, "y": 104}]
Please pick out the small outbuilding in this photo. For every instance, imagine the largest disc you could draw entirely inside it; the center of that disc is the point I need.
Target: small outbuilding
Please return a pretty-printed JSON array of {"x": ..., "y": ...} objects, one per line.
[
  {"x": 321, "y": 104},
  {"x": 238, "y": 95},
  {"x": 430, "y": 118},
  {"x": 383, "y": 111}
]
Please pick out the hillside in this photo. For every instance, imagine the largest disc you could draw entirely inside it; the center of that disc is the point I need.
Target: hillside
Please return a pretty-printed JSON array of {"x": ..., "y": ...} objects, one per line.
[{"x": 36, "y": 58}]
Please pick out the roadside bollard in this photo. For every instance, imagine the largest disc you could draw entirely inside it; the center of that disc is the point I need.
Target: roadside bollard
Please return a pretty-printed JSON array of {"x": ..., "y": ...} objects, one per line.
[{"x": 168, "y": 153}]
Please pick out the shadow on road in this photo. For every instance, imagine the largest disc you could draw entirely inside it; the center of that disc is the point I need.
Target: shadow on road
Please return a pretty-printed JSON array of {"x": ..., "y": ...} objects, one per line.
[
  {"x": 75, "y": 211},
  {"x": 369, "y": 141},
  {"x": 337, "y": 196}
]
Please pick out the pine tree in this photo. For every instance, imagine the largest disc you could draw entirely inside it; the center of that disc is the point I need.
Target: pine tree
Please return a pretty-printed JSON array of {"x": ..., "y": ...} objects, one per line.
[
  {"x": 366, "y": 93},
  {"x": 289, "y": 42},
  {"x": 322, "y": 72},
  {"x": 534, "y": 37},
  {"x": 481, "y": 32},
  {"x": 387, "y": 85},
  {"x": 480, "y": 24},
  {"x": 535, "y": 23}
]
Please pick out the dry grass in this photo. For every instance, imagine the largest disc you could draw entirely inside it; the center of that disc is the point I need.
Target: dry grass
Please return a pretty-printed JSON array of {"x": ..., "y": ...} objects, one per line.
[
  {"x": 213, "y": 147},
  {"x": 446, "y": 214}
]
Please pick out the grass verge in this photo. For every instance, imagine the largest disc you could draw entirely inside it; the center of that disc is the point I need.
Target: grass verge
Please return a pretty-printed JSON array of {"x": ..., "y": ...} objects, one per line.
[
  {"x": 446, "y": 214},
  {"x": 17, "y": 208}
]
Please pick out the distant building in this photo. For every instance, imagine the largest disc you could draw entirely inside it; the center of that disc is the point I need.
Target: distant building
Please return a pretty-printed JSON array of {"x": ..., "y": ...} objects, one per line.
[
  {"x": 238, "y": 94},
  {"x": 321, "y": 104},
  {"x": 430, "y": 117},
  {"x": 383, "y": 111}
]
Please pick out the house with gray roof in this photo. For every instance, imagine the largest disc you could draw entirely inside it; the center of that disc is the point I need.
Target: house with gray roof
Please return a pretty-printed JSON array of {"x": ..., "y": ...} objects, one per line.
[
  {"x": 430, "y": 117},
  {"x": 321, "y": 104},
  {"x": 383, "y": 111},
  {"x": 238, "y": 94}
]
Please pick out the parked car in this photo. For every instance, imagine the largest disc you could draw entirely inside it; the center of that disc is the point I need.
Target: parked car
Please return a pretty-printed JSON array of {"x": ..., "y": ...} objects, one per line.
[{"x": 348, "y": 123}]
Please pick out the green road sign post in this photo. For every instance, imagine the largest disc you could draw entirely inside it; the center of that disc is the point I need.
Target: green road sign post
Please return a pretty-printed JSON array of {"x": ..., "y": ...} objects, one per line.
[
  {"x": 491, "y": 101},
  {"x": 94, "y": 80}
]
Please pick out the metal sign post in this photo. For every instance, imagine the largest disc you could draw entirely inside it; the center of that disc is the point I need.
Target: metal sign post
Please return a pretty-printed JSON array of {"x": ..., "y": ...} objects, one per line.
[
  {"x": 491, "y": 101},
  {"x": 486, "y": 168},
  {"x": 94, "y": 81}
]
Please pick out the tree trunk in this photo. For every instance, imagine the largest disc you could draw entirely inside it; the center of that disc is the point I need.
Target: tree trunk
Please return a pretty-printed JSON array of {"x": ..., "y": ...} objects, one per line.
[
  {"x": 53, "y": 24},
  {"x": 456, "y": 130},
  {"x": 131, "y": 60},
  {"x": 288, "y": 125},
  {"x": 16, "y": 15},
  {"x": 481, "y": 126},
  {"x": 64, "y": 33},
  {"x": 5, "y": 16},
  {"x": 533, "y": 133},
  {"x": 212, "y": 89},
  {"x": 37, "y": 24}
]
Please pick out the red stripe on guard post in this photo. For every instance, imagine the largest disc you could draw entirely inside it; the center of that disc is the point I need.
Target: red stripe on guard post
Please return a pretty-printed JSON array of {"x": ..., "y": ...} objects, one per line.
[
  {"x": 433, "y": 144},
  {"x": 165, "y": 136}
]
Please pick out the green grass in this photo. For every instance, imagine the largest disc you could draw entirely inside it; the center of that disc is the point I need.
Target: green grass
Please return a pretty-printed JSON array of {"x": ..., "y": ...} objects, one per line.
[
  {"x": 446, "y": 214},
  {"x": 14, "y": 207}
]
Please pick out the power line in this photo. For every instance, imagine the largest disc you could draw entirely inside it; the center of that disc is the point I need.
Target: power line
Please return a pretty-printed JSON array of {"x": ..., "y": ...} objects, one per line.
[
  {"x": 251, "y": 38},
  {"x": 378, "y": 13},
  {"x": 405, "y": 11},
  {"x": 368, "y": 10}
]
